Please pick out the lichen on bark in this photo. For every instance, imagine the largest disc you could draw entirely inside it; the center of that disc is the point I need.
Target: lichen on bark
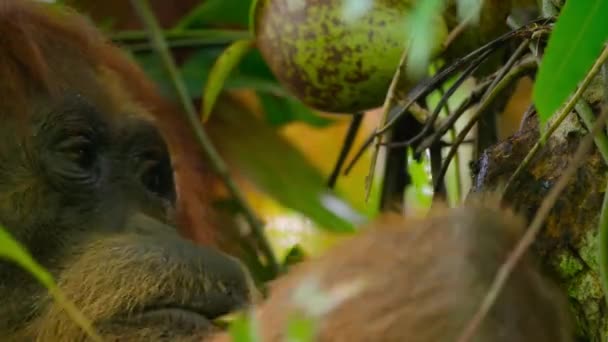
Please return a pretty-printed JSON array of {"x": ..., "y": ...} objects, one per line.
[{"x": 567, "y": 244}]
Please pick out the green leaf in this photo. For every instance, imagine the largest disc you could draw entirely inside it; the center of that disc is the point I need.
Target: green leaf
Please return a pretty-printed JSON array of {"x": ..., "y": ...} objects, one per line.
[
  {"x": 252, "y": 72},
  {"x": 218, "y": 12},
  {"x": 276, "y": 167},
  {"x": 301, "y": 328},
  {"x": 195, "y": 70},
  {"x": 295, "y": 255},
  {"x": 283, "y": 110},
  {"x": 420, "y": 192},
  {"x": 424, "y": 33},
  {"x": 220, "y": 71},
  {"x": 469, "y": 10},
  {"x": 244, "y": 329},
  {"x": 575, "y": 43},
  {"x": 152, "y": 65},
  {"x": 12, "y": 250}
]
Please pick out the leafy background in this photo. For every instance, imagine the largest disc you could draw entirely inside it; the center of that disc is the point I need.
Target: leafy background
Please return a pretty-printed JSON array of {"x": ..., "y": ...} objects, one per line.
[{"x": 289, "y": 191}]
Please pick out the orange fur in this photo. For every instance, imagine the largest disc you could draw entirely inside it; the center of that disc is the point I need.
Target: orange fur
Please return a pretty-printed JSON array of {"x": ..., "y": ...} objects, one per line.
[{"x": 33, "y": 36}]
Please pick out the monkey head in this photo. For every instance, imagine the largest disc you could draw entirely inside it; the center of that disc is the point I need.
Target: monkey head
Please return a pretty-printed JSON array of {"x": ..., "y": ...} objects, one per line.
[{"x": 87, "y": 185}]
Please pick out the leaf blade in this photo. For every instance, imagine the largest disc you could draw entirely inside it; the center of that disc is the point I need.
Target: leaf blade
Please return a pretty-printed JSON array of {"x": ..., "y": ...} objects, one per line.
[
  {"x": 12, "y": 250},
  {"x": 220, "y": 71},
  {"x": 575, "y": 43}
]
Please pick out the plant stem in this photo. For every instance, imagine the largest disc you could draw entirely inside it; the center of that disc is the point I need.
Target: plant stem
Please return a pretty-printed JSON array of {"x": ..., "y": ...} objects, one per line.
[
  {"x": 211, "y": 36},
  {"x": 602, "y": 241},
  {"x": 143, "y": 10},
  {"x": 559, "y": 118},
  {"x": 586, "y": 113}
]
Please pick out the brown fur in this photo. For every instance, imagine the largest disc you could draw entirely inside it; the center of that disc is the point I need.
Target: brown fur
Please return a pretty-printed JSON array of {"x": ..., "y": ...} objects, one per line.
[
  {"x": 421, "y": 280},
  {"x": 106, "y": 235},
  {"x": 114, "y": 252},
  {"x": 40, "y": 49}
]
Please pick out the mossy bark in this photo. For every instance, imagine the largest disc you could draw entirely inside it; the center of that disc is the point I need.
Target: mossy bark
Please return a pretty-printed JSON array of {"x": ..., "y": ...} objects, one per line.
[{"x": 567, "y": 244}]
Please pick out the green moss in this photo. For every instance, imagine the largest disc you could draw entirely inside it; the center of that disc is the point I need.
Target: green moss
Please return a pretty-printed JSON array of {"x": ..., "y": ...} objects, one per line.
[
  {"x": 588, "y": 249},
  {"x": 567, "y": 265},
  {"x": 585, "y": 286}
]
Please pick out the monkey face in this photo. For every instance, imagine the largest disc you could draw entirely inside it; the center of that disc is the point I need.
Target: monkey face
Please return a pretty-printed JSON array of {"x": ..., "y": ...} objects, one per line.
[{"x": 86, "y": 184}]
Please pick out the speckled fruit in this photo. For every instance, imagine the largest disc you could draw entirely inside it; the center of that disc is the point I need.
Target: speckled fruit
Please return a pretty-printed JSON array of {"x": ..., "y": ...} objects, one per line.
[{"x": 334, "y": 55}]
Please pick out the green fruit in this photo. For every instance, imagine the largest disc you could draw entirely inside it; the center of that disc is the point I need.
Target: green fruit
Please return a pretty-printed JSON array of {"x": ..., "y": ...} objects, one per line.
[{"x": 331, "y": 54}]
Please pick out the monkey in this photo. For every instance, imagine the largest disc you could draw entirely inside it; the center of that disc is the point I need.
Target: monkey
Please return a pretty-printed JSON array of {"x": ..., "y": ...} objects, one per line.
[
  {"x": 420, "y": 280},
  {"x": 89, "y": 185}
]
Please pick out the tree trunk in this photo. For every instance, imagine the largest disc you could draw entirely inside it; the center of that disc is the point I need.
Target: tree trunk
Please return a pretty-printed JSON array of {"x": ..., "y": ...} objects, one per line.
[{"x": 567, "y": 243}]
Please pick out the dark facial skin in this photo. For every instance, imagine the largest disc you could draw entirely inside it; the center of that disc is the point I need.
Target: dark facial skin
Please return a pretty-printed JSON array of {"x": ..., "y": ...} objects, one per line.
[{"x": 86, "y": 184}]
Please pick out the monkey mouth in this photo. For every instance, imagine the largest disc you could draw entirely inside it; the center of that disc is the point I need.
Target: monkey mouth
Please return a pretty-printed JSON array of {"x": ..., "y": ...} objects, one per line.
[
  {"x": 180, "y": 315},
  {"x": 174, "y": 309}
]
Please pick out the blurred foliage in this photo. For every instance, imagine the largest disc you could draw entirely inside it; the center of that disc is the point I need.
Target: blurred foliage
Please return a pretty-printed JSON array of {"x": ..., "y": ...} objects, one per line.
[
  {"x": 281, "y": 151},
  {"x": 218, "y": 13},
  {"x": 570, "y": 53},
  {"x": 301, "y": 329},
  {"x": 12, "y": 250},
  {"x": 244, "y": 329},
  {"x": 427, "y": 30},
  {"x": 255, "y": 150},
  {"x": 220, "y": 72},
  {"x": 419, "y": 195}
]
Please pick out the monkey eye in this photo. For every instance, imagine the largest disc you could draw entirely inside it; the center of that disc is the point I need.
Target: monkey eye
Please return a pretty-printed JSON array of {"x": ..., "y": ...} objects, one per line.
[
  {"x": 79, "y": 150},
  {"x": 156, "y": 176}
]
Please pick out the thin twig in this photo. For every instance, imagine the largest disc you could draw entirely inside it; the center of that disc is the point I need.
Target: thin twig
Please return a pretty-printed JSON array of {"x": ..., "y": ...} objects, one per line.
[
  {"x": 523, "y": 67},
  {"x": 172, "y": 44},
  {"x": 586, "y": 113},
  {"x": 453, "y": 135},
  {"x": 489, "y": 98},
  {"x": 457, "y": 31},
  {"x": 559, "y": 118},
  {"x": 145, "y": 14},
  {"x": 473, "y": 98},
  {"x": 528, "y": 238},
  {"x": 388, "y": 103},
  {"x": 210, "y": 36},
  {"x": 349, "y": 139},
  {"x": 521, "y": 49},
  {"x": 419, "y": 113},
  {"x": 602, "y": 238},
  {"x": 469, "y": 101},
  {"x": 447, "y": 95},
  {"x": 426, "y": 87},
  {"x": 602, "y": 241}
]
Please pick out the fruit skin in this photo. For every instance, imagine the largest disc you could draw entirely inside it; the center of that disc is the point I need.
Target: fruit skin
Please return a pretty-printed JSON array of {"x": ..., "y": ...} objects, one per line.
[{"x": 329, "y": 62}]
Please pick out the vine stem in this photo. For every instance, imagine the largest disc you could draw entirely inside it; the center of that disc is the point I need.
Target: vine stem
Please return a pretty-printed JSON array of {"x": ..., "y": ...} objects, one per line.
[
  {"x": 602, "y": 241},
  {"x": 209, "y": 36},
  {"x": 142, "y": 8},
  {"x": 559, "y": 118},
  {"x": 488, "y": 98}
]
